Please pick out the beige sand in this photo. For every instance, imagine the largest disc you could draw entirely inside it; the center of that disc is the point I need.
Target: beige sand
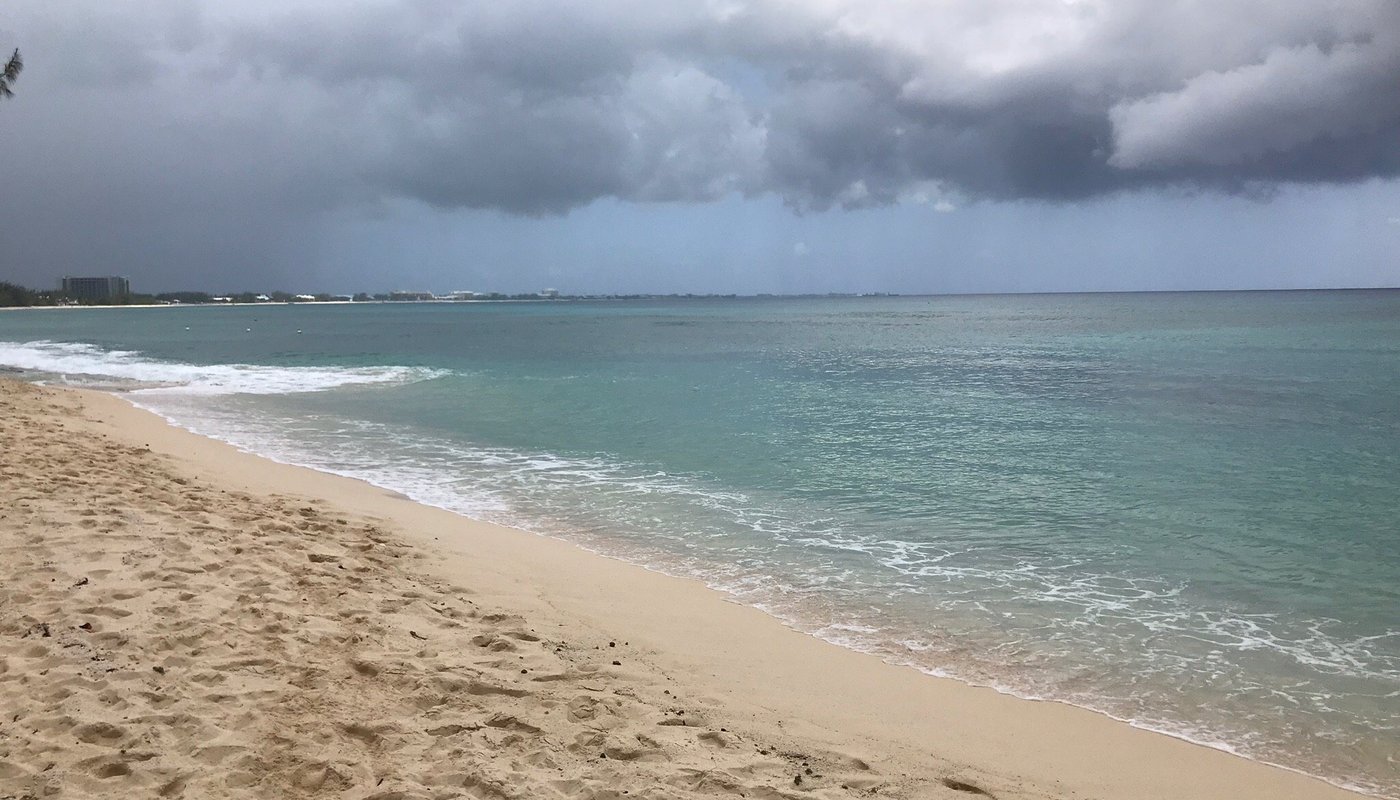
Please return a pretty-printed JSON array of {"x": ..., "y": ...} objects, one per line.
[{"x": 179, "y": 619}]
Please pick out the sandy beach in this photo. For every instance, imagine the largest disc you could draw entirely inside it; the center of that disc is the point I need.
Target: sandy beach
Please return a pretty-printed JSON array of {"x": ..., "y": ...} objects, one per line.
[{"x": 181, "y": 619}]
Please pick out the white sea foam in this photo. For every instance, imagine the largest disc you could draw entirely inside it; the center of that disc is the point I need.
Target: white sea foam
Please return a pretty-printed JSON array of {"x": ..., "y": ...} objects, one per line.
[{"x": 88, "y": 365}]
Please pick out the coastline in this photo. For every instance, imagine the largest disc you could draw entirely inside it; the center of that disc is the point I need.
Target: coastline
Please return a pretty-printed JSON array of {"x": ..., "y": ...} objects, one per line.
[{"x": 740, "y": 669}]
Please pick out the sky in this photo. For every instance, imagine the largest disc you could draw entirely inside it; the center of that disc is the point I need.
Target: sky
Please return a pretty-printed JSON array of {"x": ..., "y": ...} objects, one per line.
[{"x": 707, "y": 146}]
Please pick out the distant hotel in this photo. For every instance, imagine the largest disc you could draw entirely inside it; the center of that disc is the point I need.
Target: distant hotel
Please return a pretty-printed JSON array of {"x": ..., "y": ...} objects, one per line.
[{"x": 111, "y": 287}]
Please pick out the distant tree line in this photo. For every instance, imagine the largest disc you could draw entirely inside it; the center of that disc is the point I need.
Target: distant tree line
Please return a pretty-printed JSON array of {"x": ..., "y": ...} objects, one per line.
[
  {"x": 12, "y": 295},
  {"x": 15, "y": 295}
]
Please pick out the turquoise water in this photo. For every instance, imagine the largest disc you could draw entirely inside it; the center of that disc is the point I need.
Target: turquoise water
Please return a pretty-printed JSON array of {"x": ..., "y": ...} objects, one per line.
[{"x": 1182, "y": 510}]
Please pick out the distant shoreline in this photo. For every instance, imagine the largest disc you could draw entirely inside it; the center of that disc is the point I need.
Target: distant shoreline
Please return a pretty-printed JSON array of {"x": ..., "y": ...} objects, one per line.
[{"x": 644, "y": 297}]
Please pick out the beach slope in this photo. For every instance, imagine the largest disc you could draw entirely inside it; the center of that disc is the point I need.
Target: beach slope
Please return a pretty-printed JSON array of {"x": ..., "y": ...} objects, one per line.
[{"x": 178, "y": 619}]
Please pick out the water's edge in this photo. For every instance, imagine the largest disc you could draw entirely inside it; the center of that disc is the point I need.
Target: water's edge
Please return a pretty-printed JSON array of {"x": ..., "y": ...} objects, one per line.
[{"x": 788, "y": 622}]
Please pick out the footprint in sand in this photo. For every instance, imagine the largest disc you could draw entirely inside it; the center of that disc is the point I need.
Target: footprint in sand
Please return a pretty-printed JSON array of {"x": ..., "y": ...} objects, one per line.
[{"x": 103, "y": 733}]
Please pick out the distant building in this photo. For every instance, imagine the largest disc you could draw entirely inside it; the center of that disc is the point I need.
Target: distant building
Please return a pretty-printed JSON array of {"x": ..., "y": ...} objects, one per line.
[
  {"x": 550, "y": 293},
  {"x": 110, "y": 287},
  {"x": 461, "y": 294}
]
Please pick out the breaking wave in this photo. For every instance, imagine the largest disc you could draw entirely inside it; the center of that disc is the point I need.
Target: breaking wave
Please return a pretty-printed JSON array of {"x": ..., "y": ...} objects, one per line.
[{"x": 86, "y": 365}]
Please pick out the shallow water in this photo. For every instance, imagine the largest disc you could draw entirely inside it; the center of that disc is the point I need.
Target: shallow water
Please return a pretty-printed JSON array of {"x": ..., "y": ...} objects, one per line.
[{"x": 1180, "y": 509}]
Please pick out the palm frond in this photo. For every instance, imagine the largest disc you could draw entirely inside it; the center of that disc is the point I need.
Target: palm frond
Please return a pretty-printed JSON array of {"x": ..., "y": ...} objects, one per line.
[
  {"x": 13, "y": 67},
  {"x": 11, "y": 71}
]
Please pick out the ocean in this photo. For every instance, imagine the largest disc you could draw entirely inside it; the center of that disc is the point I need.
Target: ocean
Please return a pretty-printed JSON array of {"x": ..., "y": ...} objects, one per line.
[{"x": 1181, "y": 510}]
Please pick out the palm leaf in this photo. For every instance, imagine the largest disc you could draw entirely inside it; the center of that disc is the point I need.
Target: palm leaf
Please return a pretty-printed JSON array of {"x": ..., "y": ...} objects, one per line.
[
  {"x": 11, "y": 71},
  {"x": 13, "y": 67}
]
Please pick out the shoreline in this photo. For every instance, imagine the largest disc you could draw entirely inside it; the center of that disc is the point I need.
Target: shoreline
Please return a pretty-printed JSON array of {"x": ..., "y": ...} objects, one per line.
[
  {"x": 644, "y": 297},
  {"x": 745, "y": 666},
  {"x": 790, "y": 624}
]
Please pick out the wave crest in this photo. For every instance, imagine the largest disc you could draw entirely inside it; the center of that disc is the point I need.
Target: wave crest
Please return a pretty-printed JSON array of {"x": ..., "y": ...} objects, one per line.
[{"x": 88, "y": 365}]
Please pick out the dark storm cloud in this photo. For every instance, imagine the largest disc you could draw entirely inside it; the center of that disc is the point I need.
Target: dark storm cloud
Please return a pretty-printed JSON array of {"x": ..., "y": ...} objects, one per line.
[{"x": 537, "y": 107}]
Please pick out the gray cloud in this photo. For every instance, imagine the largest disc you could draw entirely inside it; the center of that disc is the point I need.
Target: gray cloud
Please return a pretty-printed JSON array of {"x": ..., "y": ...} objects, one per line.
[
  {"x": 243, "y": 116},
  {"x": 1348, "y": 96},
  {"x": 541, "y": 106}
]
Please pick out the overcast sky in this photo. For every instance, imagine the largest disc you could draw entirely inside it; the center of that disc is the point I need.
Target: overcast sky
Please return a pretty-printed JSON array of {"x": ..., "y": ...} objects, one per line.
[{"x": 703, "y": 146}]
